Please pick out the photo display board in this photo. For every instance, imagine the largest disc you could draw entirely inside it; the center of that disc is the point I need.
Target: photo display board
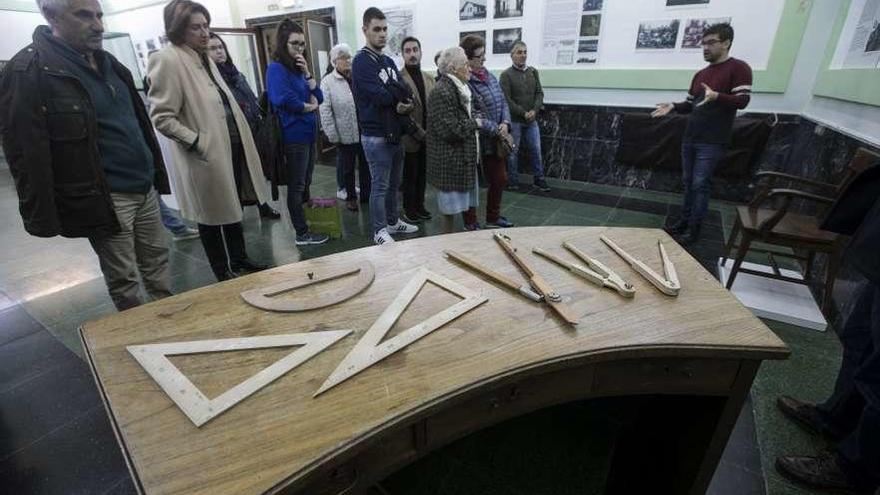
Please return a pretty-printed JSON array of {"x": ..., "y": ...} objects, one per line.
[
  {"x": 859, "y": 43},
  {"x": 593, "y": 34}
]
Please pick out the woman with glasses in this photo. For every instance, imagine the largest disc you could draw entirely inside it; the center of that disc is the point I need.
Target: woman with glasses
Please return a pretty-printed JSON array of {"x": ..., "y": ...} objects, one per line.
[
  {"x": 492, "y": 106},
  {"x": 213, "y": 150},
  {"x": 295, "y": 96},
  {"x": 243, "y": 94},
  {"x": 339, "y": 121}
]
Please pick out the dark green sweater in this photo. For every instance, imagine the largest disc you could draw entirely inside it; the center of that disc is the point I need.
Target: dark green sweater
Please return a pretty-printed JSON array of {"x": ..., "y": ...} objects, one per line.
[{"x": 522, "y": 87}]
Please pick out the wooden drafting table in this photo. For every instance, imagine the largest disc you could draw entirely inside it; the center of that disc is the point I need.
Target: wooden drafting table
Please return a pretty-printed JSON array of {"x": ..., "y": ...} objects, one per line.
[{"x": 505, "y": 358}]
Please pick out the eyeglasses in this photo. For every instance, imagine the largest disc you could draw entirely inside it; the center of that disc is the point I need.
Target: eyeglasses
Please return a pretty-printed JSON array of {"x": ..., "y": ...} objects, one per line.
[
  {"x": 296, "y": 43},
  {"x": 709, "y": 42},
  {"x": 481, "y": 56}
]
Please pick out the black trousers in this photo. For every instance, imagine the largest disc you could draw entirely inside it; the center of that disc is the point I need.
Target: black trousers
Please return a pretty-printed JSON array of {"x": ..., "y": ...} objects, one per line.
[
  {"x": 854, "y": 407},
  {"x": 224, "y": 246},
  {"x": 414, "y": 181},
  {"x": 349, "y": 156}
]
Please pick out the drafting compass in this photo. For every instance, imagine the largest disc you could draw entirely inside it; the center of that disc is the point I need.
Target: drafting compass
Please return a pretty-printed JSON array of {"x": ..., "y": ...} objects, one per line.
[
  {"x": 536, "y": 289},
  {"x": 667, "y": 284},
  {"x": 594, "y": 272}
]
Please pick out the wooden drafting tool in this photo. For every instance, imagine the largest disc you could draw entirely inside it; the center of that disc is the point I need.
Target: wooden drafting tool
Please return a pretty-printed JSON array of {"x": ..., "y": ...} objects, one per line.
[
  {"x": 667, "y": 284},
  {"x": 198, "y": 407},
  {"x": 537, "y": 289},
  {"x": 597, "y": 273},
  {"x": 504, "y": 280},
  {"x": 264, "y": 297},
  {"x": 368, "y": 350}
]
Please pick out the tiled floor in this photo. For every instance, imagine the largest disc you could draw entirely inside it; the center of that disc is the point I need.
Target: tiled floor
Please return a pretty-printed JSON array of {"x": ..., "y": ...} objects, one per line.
[{"x": 54, "y": 434}]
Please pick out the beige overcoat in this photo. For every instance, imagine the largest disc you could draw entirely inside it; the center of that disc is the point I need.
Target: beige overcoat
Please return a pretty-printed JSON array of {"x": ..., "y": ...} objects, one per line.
[{"x": 185, "y": 103}]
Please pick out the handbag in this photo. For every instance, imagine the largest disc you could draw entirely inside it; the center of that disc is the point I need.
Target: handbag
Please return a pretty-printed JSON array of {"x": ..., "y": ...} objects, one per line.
[
  {"x": 270, "y": 146},
  {"x": 504, "y": 146}
]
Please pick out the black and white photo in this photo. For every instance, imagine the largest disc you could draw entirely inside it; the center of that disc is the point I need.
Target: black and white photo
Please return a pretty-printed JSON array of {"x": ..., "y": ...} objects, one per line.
[
  {"x": 590, "y": 25},
  {"x": 588, "y": 46},
  {"x": 591, "y": 5},
  {"x": 656, "y": 35},
  {"x": 469, "y": 10},
  {"x": 873, "y": 44},
  {"x": 503, "y": 40},
  {"x": 692, "y": 34},
  {"x": 508, "y": 8},
  {"x": 679, "y": 3},
  {"x": 481, "y": 34}
]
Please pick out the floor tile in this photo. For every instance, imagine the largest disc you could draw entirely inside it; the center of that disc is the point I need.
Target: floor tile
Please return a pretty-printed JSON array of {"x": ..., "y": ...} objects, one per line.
[
  {"x": 30, "y": 356},
  {"x": 15, "y": 323}
]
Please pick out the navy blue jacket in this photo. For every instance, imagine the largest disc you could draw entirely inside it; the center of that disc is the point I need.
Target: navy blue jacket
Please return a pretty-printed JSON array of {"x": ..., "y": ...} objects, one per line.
[{"x": 378, "y": 87}]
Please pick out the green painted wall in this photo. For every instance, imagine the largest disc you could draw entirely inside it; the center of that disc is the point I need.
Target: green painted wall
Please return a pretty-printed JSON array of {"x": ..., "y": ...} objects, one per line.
[{"x": 856, "y": 85}]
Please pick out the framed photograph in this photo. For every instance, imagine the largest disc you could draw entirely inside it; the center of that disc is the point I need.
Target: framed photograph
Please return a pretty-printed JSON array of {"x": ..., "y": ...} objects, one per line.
[
  {"x": 471, "y": 10},
  {"x": 590, "y": 25},
  {"x": 505, "y": 9},
  {"x": 481, "y": 34},
  {"x": 503, "y": 40},
  {"x": 590, "y": 5},
  {"x": 657, "y": 35},
  {"x": 680, "y": 3},
  {"x": 588, "y": 46},
  {"x": 873, "y": 43},
  {"x": 694, "y": 28}
]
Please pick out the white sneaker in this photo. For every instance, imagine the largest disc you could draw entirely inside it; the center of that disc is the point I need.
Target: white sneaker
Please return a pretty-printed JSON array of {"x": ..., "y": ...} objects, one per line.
[
  {"x": 402, "y": 227},
  {"x": 342, "y": 194},
  {"x": 382, "y": 237}
]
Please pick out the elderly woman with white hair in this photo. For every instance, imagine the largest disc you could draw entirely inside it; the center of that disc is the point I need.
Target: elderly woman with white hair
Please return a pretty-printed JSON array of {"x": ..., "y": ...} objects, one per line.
[
  {"x": 453, "y": 153},
  {"x": 340, "y": 124}
]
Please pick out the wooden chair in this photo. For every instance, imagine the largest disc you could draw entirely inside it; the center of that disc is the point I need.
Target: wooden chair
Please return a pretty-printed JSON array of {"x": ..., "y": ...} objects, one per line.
[{"x": 767, "y": 219}]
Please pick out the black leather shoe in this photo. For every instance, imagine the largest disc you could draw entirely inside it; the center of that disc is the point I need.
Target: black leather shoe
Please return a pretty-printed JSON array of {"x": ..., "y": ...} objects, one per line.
[
  {"x": 226, "y": 275},
  {"x": 678, "y": 227},
  {"x": 267, "y": 211},
  {"x": 424, "y": 214},
  {"x": 690, "y": 236},
  {"x": 247, "y": 266},
  {"x": 822, "y": 472},
  {"x": 807, "y": 416}
]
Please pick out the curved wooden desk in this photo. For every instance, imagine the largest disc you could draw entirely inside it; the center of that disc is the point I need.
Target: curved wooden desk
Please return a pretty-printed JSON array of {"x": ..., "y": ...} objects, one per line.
[{"x": 507, "y": 357}]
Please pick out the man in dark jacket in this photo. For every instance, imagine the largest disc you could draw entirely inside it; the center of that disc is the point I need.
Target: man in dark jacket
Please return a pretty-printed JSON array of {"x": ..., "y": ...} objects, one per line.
[
  {"x": 82, "y": 152},
  {"x": 381, "y": 96},
  {"x": 851, "y": 416}
]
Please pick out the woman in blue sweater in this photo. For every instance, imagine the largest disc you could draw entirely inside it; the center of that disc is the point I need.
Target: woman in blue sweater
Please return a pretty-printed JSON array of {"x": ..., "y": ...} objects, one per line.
[{"x": 295, "y": 95}]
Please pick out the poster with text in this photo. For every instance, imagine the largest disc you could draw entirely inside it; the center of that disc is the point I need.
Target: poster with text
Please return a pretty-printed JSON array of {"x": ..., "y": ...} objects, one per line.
[
  {"x": 692, "y": 34},
  {"x": 472, "y": 10},
  {"x": 559, "y": 41},
  {"x": 657, "y": 35}
]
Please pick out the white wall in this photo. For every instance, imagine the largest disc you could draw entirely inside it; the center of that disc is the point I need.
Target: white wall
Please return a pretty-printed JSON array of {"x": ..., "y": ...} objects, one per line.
[
  {"x": 18, "y": 29},
  {"x": 249, "y": 9}
]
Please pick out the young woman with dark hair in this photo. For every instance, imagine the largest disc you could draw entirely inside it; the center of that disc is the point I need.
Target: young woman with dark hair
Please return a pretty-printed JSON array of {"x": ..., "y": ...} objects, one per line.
[
  {"x": 295, "y": 95},
  {"x": 243, "y": 95}
]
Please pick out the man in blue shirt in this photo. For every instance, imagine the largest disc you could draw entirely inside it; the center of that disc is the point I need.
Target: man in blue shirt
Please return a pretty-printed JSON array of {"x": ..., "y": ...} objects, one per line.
[
  {"x": 382, "y": 100},
  {"x": 83, "y": 154}
]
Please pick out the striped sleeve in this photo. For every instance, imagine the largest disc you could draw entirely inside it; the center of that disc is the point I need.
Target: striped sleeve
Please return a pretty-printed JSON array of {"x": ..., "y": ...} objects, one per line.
[{"x": 741, "y": 87}]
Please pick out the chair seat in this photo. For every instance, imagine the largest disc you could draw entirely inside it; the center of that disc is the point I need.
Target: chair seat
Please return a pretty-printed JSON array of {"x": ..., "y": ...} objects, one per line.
[{"x": 792, "y": 226}]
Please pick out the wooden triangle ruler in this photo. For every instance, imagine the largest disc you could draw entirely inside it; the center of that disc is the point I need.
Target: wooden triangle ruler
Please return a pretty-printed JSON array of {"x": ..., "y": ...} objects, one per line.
[
  {"x": 199, "y": 408},
  {"x": 368, "y": 351}
]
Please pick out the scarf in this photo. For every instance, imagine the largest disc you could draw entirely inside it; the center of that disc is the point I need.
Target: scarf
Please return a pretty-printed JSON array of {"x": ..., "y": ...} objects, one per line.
[
  {"x": 229, "y": 72},
  {"x": 482, "y": 75}
]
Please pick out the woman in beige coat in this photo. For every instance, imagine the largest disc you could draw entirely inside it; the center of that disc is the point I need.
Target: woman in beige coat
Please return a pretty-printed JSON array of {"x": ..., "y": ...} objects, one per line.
[{"x": 213, "y": 149}]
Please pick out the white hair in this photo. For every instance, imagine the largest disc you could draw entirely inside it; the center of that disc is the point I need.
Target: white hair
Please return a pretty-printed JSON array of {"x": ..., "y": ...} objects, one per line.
[
  {"x": 450, "y": 59},
  {"x": 52, "y": 7},
  {"x": 338, "y": 51}
]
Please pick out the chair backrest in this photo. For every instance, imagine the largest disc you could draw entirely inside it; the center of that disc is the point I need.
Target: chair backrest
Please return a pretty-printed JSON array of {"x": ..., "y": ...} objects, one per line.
[{"x": 863, "y": 159}]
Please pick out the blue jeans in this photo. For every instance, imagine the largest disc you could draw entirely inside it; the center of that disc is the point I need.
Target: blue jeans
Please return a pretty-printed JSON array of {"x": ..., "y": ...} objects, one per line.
[
  {"x": 170, "y": 219},
  {"x": 530, "y": 137},
  {"x": 300, "y": 164},
  {"x": 854, "y": 407},
  {"x": 698, "y": 161},
  {"x": 386, "y": 162}
]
